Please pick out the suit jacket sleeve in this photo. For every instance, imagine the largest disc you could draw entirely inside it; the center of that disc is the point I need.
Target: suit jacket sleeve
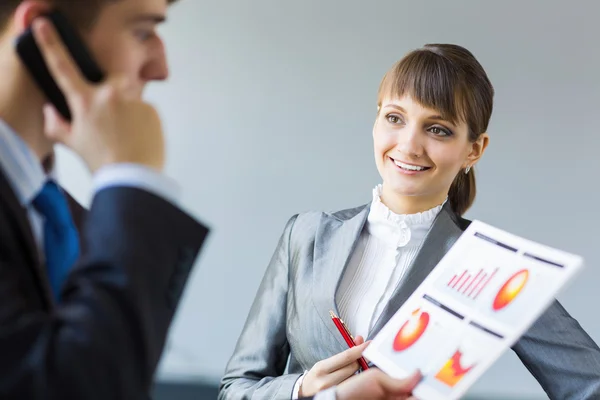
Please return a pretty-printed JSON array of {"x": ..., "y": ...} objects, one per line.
[
  {"x": 561, "y": 356},
  {"x": 255, "y": 371},
  {"x": 105, "y": 338}
]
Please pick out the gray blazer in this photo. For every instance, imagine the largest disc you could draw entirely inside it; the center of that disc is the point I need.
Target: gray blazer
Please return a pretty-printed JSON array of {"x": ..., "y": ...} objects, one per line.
[{"x": 289, "y": 323}]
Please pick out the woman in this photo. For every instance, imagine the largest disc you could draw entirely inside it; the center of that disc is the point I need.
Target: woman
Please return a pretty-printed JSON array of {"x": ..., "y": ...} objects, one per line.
[{"x": 434, "y": 106}]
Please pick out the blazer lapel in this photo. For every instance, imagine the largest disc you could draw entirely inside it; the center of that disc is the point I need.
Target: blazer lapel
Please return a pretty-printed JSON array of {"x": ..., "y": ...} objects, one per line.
[
  {"x": 19, "y": 218},
  {"x": 335, "y": 241},
  {"x": 443, "y": 233}
]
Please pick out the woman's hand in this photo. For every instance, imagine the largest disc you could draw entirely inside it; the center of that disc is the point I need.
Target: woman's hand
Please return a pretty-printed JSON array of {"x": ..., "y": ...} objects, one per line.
[
  {"x": 374, "y": 384},
  {"x": 333, "y": 370}
]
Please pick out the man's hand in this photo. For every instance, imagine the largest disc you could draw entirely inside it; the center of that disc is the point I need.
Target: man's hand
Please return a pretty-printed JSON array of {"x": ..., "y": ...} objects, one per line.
[
  {"x": 110, "y": 123},
  {"x": 374, "y": 384}
]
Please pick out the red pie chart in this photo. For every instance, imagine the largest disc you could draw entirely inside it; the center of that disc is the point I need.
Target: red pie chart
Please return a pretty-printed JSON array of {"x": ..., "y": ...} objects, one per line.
[{"x": 411, "y": 330}]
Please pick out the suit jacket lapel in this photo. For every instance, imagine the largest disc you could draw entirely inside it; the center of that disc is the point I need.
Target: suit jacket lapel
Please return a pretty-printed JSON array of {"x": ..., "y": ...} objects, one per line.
[
  {"x": 19, "y": 218},
  {"x": 443, "y": 233},
  {"x": 78, "y": 212},
  {"x": 335, "y": 241}
]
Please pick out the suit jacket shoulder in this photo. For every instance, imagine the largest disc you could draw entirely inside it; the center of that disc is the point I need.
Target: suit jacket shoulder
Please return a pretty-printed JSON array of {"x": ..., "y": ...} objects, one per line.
[{"x": 305, "y": 225}]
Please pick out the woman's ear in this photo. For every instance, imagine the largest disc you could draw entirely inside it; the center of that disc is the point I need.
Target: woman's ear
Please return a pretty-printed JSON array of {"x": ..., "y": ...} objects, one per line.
[{"x": 477, "y": 149}]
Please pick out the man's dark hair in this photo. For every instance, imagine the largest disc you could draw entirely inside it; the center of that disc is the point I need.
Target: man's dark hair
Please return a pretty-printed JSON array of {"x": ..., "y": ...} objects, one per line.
[{"x": 83, "y": 13}]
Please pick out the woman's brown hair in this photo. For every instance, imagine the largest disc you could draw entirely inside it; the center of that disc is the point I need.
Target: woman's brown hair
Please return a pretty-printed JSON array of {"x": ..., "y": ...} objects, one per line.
[{"x": 449, "y": 79}]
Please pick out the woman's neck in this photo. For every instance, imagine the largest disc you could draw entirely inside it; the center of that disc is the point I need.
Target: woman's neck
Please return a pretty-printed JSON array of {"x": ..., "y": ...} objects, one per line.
[{"x": 400, "y": 204}]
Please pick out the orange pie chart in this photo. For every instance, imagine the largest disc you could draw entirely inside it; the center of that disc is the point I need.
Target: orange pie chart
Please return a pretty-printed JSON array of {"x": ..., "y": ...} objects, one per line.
[
  {"x": 511, "y": 289},
  {"x": 411, "y": 330}
]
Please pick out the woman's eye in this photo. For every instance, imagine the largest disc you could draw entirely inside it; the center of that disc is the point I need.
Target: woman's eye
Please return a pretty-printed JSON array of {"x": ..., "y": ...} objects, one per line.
[
  {"x": 392, "y": 118},
  {"x": 439, "y": 131}
]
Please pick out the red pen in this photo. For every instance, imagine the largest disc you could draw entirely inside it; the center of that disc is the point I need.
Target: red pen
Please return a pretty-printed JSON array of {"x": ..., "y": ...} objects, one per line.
[{"x": 347, "y": 337}]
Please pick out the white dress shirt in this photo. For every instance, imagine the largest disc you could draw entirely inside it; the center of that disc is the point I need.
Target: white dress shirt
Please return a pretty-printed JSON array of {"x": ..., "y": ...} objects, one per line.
[{"x": 387, "y": 246}]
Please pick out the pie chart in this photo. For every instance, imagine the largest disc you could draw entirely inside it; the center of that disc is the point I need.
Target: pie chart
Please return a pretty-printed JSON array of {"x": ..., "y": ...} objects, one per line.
[
  {"x": 411, "y": 330},
  {"x": 510, "y": 290}
]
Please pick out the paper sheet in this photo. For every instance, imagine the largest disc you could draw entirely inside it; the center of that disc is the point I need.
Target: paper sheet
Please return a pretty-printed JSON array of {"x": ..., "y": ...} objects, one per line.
[{"x": 482, "y": 296}]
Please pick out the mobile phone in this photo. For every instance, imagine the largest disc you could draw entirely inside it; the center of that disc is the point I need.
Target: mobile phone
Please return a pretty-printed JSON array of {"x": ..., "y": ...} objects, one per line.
[{"x": 32, "y": 58}]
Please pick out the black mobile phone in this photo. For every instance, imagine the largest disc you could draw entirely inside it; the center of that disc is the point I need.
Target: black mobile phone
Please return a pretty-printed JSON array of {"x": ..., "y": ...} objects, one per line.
[{"x": 32, "y": 58}]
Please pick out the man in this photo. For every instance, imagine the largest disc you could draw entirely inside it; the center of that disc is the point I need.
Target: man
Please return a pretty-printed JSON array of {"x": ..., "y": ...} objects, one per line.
[
  {"x": 94, "y": 329},
  {"x": 86, "y": 302}
]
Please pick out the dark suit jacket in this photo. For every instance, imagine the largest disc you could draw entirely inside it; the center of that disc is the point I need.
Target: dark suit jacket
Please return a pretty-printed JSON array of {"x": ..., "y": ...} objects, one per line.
[{"x": 105, "y": 338}]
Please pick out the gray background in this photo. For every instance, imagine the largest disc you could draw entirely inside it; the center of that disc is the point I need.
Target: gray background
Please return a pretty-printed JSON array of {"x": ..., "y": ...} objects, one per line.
[{"x": 269, "y": 112}]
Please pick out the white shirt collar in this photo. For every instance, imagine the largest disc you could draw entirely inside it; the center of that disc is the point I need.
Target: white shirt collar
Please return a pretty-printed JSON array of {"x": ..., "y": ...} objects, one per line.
[
  {"x": 21, "y": 165},
  {"x": 398, "y": 229}
]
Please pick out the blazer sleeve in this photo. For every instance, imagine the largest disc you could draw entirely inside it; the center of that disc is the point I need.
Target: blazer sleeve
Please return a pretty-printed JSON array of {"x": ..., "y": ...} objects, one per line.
[
  {"x": 105, "y": 338},
  {"x": 255, "y": 370},
  {"x": 561, "y": 356}
]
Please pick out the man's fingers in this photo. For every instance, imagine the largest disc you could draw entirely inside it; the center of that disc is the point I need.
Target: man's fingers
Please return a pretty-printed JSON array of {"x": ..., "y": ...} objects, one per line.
[
  {"x": 55, "y": 127},
  {"x": 60, "y": 64},
  {"x": 344, "y": 358}
]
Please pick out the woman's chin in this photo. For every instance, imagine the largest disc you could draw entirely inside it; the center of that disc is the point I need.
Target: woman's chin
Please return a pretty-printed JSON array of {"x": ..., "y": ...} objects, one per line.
[{"x": 401, "y": 190}]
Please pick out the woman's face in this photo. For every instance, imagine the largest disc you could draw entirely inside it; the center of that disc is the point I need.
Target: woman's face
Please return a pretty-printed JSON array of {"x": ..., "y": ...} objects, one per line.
[{"x": 418, "y": 154}]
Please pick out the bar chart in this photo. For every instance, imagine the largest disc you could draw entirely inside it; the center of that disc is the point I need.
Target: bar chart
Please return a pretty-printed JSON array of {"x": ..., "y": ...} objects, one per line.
[{"x": 470, "y": 283}]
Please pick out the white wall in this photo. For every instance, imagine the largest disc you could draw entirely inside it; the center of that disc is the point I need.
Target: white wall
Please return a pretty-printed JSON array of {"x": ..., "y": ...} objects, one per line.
[{"x": 269, "y": 112}]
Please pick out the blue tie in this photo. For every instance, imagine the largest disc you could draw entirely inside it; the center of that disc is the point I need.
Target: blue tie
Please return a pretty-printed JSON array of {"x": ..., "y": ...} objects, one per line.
[{"x": 61, "y": 240}]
